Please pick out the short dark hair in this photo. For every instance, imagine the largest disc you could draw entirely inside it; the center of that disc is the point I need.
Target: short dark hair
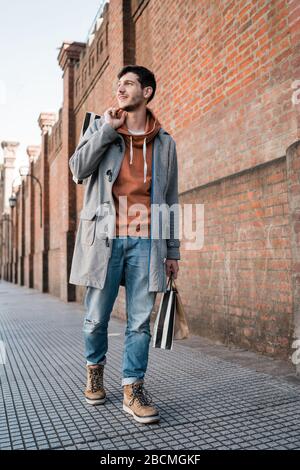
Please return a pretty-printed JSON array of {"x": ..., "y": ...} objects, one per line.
[{"x": 145, "y": 76}]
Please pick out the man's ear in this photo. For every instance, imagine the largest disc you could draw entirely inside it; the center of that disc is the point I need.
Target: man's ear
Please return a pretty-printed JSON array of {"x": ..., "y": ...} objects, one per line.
[{"x": 148, "y": 91}]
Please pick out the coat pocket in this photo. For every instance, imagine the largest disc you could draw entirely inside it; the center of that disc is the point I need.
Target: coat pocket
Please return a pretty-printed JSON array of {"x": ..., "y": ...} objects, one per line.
[{"x": 88, "y": 227}]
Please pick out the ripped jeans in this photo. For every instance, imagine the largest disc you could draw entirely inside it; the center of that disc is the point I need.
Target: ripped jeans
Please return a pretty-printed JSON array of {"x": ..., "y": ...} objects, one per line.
[{"x": 129, "y": 257}]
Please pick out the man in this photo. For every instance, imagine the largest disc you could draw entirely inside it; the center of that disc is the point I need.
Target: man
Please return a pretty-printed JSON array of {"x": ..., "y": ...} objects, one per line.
[{"x": 129, "y": 164}]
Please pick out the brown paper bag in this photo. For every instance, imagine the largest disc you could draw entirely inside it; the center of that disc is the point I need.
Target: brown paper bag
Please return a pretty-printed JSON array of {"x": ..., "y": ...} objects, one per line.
[{"x": 181, "y": 329}]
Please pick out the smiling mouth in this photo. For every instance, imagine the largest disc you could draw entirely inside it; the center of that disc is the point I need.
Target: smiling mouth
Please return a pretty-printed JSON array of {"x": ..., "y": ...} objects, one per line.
[{"x": 123, "y": 97}]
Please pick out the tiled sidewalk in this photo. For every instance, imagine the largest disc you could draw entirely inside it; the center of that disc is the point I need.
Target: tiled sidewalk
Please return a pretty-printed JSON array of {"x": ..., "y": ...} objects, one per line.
[{"x": 205, "y": 402}]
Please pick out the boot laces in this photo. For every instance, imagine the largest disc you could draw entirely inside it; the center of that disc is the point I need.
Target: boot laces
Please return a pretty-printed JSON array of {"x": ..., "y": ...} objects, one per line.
[
  {"x": 141, "y": 395},
  {"x": 96, "y": 376}
]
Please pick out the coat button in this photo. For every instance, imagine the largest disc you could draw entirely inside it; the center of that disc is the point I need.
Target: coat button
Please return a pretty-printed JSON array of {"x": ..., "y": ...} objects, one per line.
[{"x": 109, "y": 173}]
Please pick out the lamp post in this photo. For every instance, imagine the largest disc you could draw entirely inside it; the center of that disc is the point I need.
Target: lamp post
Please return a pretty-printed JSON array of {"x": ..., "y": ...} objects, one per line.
[{"x": 24, "y": 171}]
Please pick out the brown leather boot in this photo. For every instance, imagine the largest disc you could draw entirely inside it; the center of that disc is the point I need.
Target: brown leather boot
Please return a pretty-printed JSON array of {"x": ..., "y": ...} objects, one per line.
[
  {"x": 95, "y": 392},
  {"x": 138, "y": 403}
]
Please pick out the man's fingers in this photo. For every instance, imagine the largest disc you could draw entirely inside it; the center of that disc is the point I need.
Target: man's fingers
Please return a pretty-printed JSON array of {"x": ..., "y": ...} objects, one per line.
[{"x": 172, "y": 268}]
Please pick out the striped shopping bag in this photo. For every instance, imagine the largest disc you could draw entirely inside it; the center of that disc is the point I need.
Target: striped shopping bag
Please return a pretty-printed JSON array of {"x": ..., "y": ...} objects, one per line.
[{"x": 171, "y": 322}]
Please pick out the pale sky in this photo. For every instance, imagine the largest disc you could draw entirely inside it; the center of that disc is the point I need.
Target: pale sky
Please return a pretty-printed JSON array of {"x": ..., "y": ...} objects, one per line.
[{"x": 31, "y": 33}]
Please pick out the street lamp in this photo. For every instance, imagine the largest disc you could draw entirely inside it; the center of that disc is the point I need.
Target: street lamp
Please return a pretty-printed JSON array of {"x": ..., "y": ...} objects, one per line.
[
  {"x": 13, "y": 199},
  {"x": 24, "y": 171}
]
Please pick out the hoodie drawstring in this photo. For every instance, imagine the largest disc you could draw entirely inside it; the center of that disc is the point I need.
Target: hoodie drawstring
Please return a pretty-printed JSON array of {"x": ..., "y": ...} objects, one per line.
[
  {"x": 144, "y": 155},
  {"x": 131, "y": 151},
  {"x": 145, "y": 163}
]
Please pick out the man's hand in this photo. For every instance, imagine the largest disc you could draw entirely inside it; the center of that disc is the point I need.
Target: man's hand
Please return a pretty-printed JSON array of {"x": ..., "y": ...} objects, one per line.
[
  {"x": 111, "y": 116},
  {"x": 172, "y": 267}
]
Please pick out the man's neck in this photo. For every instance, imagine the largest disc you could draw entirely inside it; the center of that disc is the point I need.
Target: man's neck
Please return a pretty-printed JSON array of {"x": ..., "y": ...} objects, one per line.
[{"x": 136, "y": 120}]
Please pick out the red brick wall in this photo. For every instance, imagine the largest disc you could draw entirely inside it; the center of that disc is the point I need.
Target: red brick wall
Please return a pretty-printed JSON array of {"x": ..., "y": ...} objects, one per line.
[
  {"x": 237, "y": 288},
  {"x": 224, "y": 75}
]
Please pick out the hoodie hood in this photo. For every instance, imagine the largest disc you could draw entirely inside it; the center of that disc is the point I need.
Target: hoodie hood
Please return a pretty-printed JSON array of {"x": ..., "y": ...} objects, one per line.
[{"x": 141, "y": 140}]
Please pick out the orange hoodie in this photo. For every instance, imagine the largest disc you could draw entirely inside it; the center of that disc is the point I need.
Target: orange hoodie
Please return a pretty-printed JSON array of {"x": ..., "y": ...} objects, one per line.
[{"x": 134, "y": 179}]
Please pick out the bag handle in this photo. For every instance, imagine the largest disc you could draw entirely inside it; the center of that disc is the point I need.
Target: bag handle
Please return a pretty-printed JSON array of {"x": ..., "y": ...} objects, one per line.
[{"x": 171, "y": 282}]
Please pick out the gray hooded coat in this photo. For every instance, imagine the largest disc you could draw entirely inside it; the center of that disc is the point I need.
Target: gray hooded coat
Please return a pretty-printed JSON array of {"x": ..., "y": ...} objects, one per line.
[{"x": 97, "y": 160}]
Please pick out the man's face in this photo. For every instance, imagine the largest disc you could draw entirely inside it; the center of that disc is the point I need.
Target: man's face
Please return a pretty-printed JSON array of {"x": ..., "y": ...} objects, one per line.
[{"x": 130, "y": 94}]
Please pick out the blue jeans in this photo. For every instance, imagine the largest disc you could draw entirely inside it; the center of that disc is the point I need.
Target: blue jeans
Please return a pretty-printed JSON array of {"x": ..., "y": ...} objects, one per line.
[{"x": 129, "y": 257}]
